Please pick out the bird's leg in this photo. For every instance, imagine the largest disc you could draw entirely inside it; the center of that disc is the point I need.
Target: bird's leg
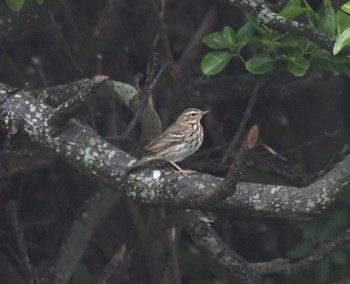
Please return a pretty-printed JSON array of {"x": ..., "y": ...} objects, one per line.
[{"x": 184, "y": 172}]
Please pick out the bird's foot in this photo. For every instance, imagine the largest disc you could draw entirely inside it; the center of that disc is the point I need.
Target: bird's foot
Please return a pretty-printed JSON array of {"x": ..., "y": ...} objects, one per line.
[
  {"x": 179, "y": 170},
  {"x": 184, "y": 172}
]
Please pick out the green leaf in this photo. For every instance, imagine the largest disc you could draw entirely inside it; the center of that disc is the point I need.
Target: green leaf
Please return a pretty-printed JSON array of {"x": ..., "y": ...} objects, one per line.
[
  {"x": 342, "y": 21},
  {"x": 229, "y": 35},
  {"x": 292, "y": 42},
  {"x": 297, "y": 65},
  {"x": 339, "y": 257},
  {"x": 220, "y": 40},
  {"x": 40, "y": 2},
  {"x": 244, "y": 34},
  {"x": 322, "y": 54},
  {"x": 15, "y": 5},
  {"x": 311, "y": 15},
  {"x": 293, "y": 12},
  {"x": 214, "y": 40},
  {"x": 342, "y": 40},
  {"x": 301, "y": 249},
  {"x": 327, "y": 23},
  {"x": 344, "y": 69},
  {"x": 260, "y": 65},
  {"x": 260, "y": 28},
  {"x": 346, "y": 7},
  {"x": 215, "y": 61}
]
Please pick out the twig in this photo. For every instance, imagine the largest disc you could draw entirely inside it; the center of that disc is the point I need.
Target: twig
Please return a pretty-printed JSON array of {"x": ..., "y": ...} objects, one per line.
[
  {"x": 309, "y": 143},
  {"x": 266, "y": 166},
  {"x": 172, "y": 235},
  {"x": 102, "y": 32},
  {"x": 246, "y": 116},
  {"x": 113, "y": 265},
  {"x": 228, "y": 186},
  {"x": 11, "y": 208},
  {"x": 193, "y": 47},
  {"x": 145, "y": 94},
  {"x": 162, "y": 32},
  {"x": 285, "y": 267},
  {"x": 99, "y": 58},
  {"x": 66, "y": 48},
  {"x": 206, "y": 238}
]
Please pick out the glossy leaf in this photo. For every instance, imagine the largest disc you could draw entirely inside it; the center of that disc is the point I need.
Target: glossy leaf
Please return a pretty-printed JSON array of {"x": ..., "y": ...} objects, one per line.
[
  {"x": 260, "y": 28},
  {"x": 297, "y": 65},
  {"x": 344, "y": 69},
  {"x": 215, "y": 61},
  {"x": 324, "y": 55},
  {"x": 346, "y": 7},
  {"x": 291, "y": 41},
  {"x": 244, "y": 34},
  {"x": 342, "y": 21},
  {"x": 311, "y": 15},
  {"x": 260, "y": 65},
  {"x": 15, "y": 5},
  {"x": 214, "y": 40},
  {"x": 327, "y": 23},
  {"x": 342, "y": 40},
  {"x": 229, "y": 35}
]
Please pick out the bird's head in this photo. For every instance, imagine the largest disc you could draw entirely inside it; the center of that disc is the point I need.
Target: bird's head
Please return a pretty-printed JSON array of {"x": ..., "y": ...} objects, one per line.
[{"x": 191, "y": 116}]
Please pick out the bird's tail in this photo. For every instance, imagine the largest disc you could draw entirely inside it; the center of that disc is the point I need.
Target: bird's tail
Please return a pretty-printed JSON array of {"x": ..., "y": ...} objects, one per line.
[{"x": 140, "y": 163}]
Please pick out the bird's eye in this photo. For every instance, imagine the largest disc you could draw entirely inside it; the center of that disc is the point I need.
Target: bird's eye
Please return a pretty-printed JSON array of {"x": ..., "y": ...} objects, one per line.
[{"x": 193, "y": 114}]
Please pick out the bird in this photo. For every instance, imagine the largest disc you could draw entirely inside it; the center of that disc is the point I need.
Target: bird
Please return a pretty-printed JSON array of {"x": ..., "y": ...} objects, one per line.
[{"x": 179, "y": 140}]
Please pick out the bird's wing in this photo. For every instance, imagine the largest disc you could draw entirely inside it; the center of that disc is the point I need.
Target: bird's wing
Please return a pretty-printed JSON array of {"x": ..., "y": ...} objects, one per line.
[{"x": 172, "y": 136}]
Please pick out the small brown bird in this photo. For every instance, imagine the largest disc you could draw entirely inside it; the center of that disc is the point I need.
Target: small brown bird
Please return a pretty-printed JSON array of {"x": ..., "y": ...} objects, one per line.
[{"x": 179, "y": 141}]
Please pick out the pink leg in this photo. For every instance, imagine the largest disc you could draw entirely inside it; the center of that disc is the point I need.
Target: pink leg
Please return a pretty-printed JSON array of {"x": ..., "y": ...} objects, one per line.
[{"x": 184, "y": 172}]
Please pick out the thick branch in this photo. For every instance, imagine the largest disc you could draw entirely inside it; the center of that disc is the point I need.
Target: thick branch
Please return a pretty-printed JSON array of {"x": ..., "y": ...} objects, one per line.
[
  {"x": 69, "y": 108},
  {"x": 86, "y": 151}
]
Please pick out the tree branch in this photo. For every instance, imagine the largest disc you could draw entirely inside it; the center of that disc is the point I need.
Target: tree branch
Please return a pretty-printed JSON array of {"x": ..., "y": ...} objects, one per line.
[
  {"x": 207, "y": 239},
  {"x": 83, "y": 149},
  {"x": 279, "y": 23}
]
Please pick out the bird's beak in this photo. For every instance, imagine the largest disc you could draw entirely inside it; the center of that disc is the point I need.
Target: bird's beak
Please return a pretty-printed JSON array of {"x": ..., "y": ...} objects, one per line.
[{"x": 204, "y": 112}]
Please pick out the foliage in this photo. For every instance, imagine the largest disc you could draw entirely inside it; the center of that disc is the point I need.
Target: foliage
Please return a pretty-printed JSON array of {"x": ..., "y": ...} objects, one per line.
[
  {"x": 16, "y": 5},
  {"x": 271, "y": 48},
  {"x": 344, "y": 38}
]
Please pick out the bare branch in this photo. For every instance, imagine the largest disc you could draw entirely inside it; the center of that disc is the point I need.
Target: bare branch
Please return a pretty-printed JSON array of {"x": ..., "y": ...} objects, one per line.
[{"x": 207, "y": 239}]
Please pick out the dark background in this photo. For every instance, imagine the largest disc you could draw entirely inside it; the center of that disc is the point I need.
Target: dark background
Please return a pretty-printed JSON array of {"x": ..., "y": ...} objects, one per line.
[{"x": 305, "y": 120}]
